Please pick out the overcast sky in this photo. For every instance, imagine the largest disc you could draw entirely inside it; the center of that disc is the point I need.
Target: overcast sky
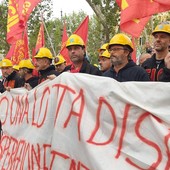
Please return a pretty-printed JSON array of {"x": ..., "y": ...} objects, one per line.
[{"x": 68, "y": 6}]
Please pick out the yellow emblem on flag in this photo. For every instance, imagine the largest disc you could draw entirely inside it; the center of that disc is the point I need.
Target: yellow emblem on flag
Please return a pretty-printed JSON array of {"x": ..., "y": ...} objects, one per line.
[
  {"x": 136, "y": 21},
  {"x": 124, "y": 4}
]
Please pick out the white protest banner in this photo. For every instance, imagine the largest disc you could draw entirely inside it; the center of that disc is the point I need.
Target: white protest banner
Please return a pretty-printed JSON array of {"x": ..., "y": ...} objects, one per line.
[{"x": 84, "y": 122}]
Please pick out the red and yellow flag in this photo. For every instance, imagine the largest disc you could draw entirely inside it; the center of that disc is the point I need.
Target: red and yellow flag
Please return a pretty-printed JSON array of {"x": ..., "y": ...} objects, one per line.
[
  {"x": 19, "y": 50},
  {"x": 40, "y": 39},
  {"x": 136, "y": 13},
  {"x": 18, "y": 14}
]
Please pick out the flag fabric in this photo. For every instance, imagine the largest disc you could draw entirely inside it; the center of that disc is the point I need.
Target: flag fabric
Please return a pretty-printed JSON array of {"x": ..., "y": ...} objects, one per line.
[
  {"x": 64, "y": 51},
  {"x": 41, "y": 38},
  {"x": 18, "y": 14},
  {"x": 19, "y": 50},
  {"x": 134, "y": 27},
  {"x": 82, "y": 30},
  {"x": 136, "y": 13},
  {"x": 134, "y": 50}
]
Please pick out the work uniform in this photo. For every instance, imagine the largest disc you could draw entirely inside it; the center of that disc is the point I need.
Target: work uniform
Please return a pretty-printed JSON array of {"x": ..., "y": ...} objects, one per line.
[
  {"x": 45, "y": 73},
  {"x": 156, "y": 69},
  {"x": 86, "y": 68},
  {"x": 131, "y": 72}
]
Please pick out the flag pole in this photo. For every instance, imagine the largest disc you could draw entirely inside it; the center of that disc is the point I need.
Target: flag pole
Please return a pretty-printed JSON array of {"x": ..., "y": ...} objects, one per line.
[{"x": 47, "y": 34}]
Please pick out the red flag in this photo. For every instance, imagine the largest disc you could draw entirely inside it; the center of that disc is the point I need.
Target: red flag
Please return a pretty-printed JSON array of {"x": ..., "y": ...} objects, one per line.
[
  {"x": 40, "y": 39},
  {"x": 82, "y": 30},
  {"x": 134, "y": 50},
  {"x": 19, "y": 50},
  {"x": 136, "y": 13},
  {"x": 18, "y": 14},
  {"x": 64, "y": 51}
]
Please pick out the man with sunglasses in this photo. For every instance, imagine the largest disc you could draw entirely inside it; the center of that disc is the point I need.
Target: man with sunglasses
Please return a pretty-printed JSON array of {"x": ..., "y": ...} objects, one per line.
[{"x": 123, "y": 68}]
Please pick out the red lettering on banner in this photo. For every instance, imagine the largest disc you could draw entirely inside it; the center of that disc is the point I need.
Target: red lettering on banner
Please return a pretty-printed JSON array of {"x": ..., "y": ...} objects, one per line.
[
  {"x": 65, "y": 89},
  {"x": 123, "y": 130},
  {"x": 45, "y": 147},
  {"x": 148, "y": 142},
  {"x": 35, "y": 154},
  {"x": 4, "y": 99},
  {"x": 102, "y": 102},
  {"x": 21, "y": 110},
  {"x": 79, "y": 166},
  {"x": 54, "y": 154},
  {"x": 42, "y": 113},
  {"x": 167, "y": 137},
  {"x": 78, "y": 102}
]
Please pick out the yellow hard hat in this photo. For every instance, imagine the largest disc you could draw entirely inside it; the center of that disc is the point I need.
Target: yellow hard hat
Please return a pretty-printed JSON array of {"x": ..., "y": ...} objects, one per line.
[
  {"x": 103, "y": 47},
  {"x": 16, "y": 67},
  {"x": 26, "y": 64},
  {"x": 121, "y": 39},
  {"x": 60, "y": 60},
  {"x": 44, "y": 53},
  {"x": 164, "y": 27},
  {"x": 6, "y": 63},
  {"x": 105, "y": 54},
  {"x": 74, "y": 39}
]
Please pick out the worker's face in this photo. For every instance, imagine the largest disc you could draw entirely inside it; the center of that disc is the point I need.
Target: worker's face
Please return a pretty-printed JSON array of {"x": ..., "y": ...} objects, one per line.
[
  {"x": 6, "y": 71},
  {"x": 42, "y": 63},
  {"x": 118, "y": 55},
  {"x": 76, "y": 53},
  {"x": 161, "y": 41},
  {"x": 60, "y": 67},
  {"x": 21, "y": 72},
  {"x": 105, "y": 63}
]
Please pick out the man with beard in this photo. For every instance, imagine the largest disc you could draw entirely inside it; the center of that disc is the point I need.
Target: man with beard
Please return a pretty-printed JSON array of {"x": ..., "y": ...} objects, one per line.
[
  {"x": 123, "y": 68},
  {"x": 77, "y": 54},
  {"x": 158, "y": 66}
]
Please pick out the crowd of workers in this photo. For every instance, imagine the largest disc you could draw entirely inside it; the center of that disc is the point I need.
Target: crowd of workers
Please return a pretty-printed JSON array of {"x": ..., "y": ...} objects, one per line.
[{"x": 114, "y": 60}]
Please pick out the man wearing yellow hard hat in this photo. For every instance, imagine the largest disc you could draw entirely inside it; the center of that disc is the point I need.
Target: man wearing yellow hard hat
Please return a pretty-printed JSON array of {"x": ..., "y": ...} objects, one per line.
[
  {"x": 44, "y": 64},
  {"x": 102, "y": 49},
  {"x": 123, "y": 68},
  {"x": 60, "y": 63},
  {"x": 10, "y": 78},
  {"x": 77, "y": 53},
  {"x": 26, "y": 68},
  {"x": 158, "y": 66},
  {"x": 104, "y": 61}
]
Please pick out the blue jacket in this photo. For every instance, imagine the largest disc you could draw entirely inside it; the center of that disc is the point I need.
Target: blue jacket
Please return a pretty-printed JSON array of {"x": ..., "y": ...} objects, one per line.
[{"x": 131, "y": 72}]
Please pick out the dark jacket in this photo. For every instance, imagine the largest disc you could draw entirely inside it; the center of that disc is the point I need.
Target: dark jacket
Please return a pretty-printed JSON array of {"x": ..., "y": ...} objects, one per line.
[
  {"x": 13, "y": 80},
  {"x": 131, "y": 72},
  {"x": 156, "y": 69},
  {"x": 33, "y": 81},
  {"x": 44, "y": 73},
  {"x": 87, "y": 68}
]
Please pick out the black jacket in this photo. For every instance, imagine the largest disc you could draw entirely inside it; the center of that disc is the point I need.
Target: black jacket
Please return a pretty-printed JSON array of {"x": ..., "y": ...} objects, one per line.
[
  {"x": 156, "y": 69},
  {"x": 131, "y": 72},
  {"x": 33, "y": 81},
  {"x": 44, "y": 73},
  {"x": 87, "y": 68}
]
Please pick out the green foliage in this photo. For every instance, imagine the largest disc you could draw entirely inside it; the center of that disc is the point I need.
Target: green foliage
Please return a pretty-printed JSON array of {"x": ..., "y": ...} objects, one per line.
[{"x": 3, "y": 22}]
